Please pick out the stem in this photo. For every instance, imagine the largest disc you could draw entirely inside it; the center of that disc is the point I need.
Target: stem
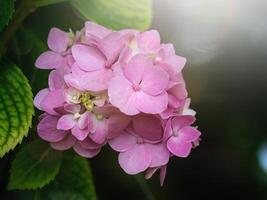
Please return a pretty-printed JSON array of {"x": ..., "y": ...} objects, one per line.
[
  {"x": 144, "y": 187},
  {"x": 25, "y": 8}
]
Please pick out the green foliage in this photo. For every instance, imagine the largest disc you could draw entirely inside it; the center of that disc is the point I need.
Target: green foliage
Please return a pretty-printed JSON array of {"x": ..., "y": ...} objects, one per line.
[
  {"x": 6, "y": 11},
  {"x": 16, "y": 107},
  {"x": 34, "y": 166},
  {"x": 73, "y": 182},
  {"x": 116, "y": 14}
]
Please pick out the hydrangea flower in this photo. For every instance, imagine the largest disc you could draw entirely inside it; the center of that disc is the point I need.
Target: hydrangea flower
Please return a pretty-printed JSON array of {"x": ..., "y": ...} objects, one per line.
[{"x": 122, "y": 88}]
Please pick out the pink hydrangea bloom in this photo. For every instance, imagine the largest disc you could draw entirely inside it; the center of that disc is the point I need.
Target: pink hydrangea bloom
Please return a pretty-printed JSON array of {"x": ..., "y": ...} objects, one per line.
[{"x": 124, "y": 88}]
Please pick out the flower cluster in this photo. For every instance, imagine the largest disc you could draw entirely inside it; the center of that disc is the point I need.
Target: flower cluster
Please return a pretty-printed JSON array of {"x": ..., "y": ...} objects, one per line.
[{"x": 122, "y": 88}]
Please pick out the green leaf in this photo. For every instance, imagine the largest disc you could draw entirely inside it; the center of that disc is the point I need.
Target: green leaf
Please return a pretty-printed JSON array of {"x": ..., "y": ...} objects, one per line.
[
  {"x": 116, "y": 14},
  {"x": 73, "y": 182},
  {"x": 16, "y": 107},
  {"x": 6, "y": 11},
  {"x": 34, "y": 166}
]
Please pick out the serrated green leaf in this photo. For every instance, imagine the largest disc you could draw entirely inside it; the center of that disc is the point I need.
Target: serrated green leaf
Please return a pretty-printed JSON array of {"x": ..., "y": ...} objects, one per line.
[
  {"x": 16, "y": 107},
  {"x": 34, "y": 166},
  {"x": 6, "y": 11},
  {"x": 116, "y": 14}
]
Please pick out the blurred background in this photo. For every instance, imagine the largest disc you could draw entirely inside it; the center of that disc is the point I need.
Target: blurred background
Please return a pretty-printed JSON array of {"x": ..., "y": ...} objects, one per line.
[{"x": 225, "y": 43}]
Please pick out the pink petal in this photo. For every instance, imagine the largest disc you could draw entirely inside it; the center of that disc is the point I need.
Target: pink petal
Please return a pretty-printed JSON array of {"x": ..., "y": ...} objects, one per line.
[
  {"x": 182, "y": 121},
  {"x": 83, "y": 120},
  {"x": 112, "y": 45},
  {"x": 176, "y": 62},
  {"x": 120, "y": 94},
  {"x": 93, "y": 81},
  {"x": 149, "y": 41},
  {"x": 179, "y": 91},
  {"x": 151, "y": 104},
  {"x": 64, "y": 144},
  {"x": 168, "y": 130},
  {"x": 117, "y": 123},
  {"x": 155, "y": 81},
  {"x": 47, "y": 129},
  {"x": 148, "y": 127},
  {"x": 40, "y": 97},
  {"x": 80, "y": 134},
  {"x": 72, "y": 108},
  {"x": 95, "y": 30},
  {"x": 136, "y": 67},
  {"x": 87, "y": 153},
  {"x": 66, "y": 122},
  {"x": 88, "y": 58},
  {"x": 49, "y": 60},
  {"x": 100, "y": 135},
  {"x": 56, "y": 78},
  {"x": 52, "y": 100},
  {"x": 179, "y": 147},
  {"x": 167, "y": 113},
  {"x": 159, "y": 154},
  {"x": 123, "y": 142},
  {"x": 189, "y": 134},
  {"x": 57, "y": 40},
  {"x": 135, "y": 160},
  {"x": 88, "y": 143}
]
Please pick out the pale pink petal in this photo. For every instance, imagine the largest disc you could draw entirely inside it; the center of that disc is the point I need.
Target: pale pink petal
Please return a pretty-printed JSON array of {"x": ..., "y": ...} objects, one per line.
[
  {"x": 72, "y": 82},
  {"x": 154, "y": 81},
  {"x": 117, "y": 123},
  {"x": 88, "y": 58},
  {"x": 148, "y": 127},
  {"x": 120, "y": 94},
  {"x": 64, "y": 144},
  {"x": 95, "y": 30},
  {"x": 182, "y": 121},
  {"x": 123, "y": 142},
  {"x": 84, "y": 120},
  {"x": 47, "y": 129},
  {"x": 57, "y": 40},
  {"x": 151, "y": 104},
  {"x": 94, "y": 81},
  {"x": 52, "y": 100},
  {"x": 66, "y": 122},
  {"x": 149, "y": 41},
  {"x": 176, "y": 62},
  {"x": 56, "y": 78},
  {"x": 87, "y": 153},
  {"x": 179, "y": 91},
  {"x": 159, "y": 154},
  {"x": 136, "y": 67},
  {"x": 49, "y": 60},
  {"x": 179, "y": 147},
  {"x": 112, "y": 45},
  {"x": 80, "y": 134},
  {"x": 101, "y": 132},
  {"x": 135, "y": 160},
  {"x": 40, "y": 97},
  {"x": 189, "y": 134}
]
